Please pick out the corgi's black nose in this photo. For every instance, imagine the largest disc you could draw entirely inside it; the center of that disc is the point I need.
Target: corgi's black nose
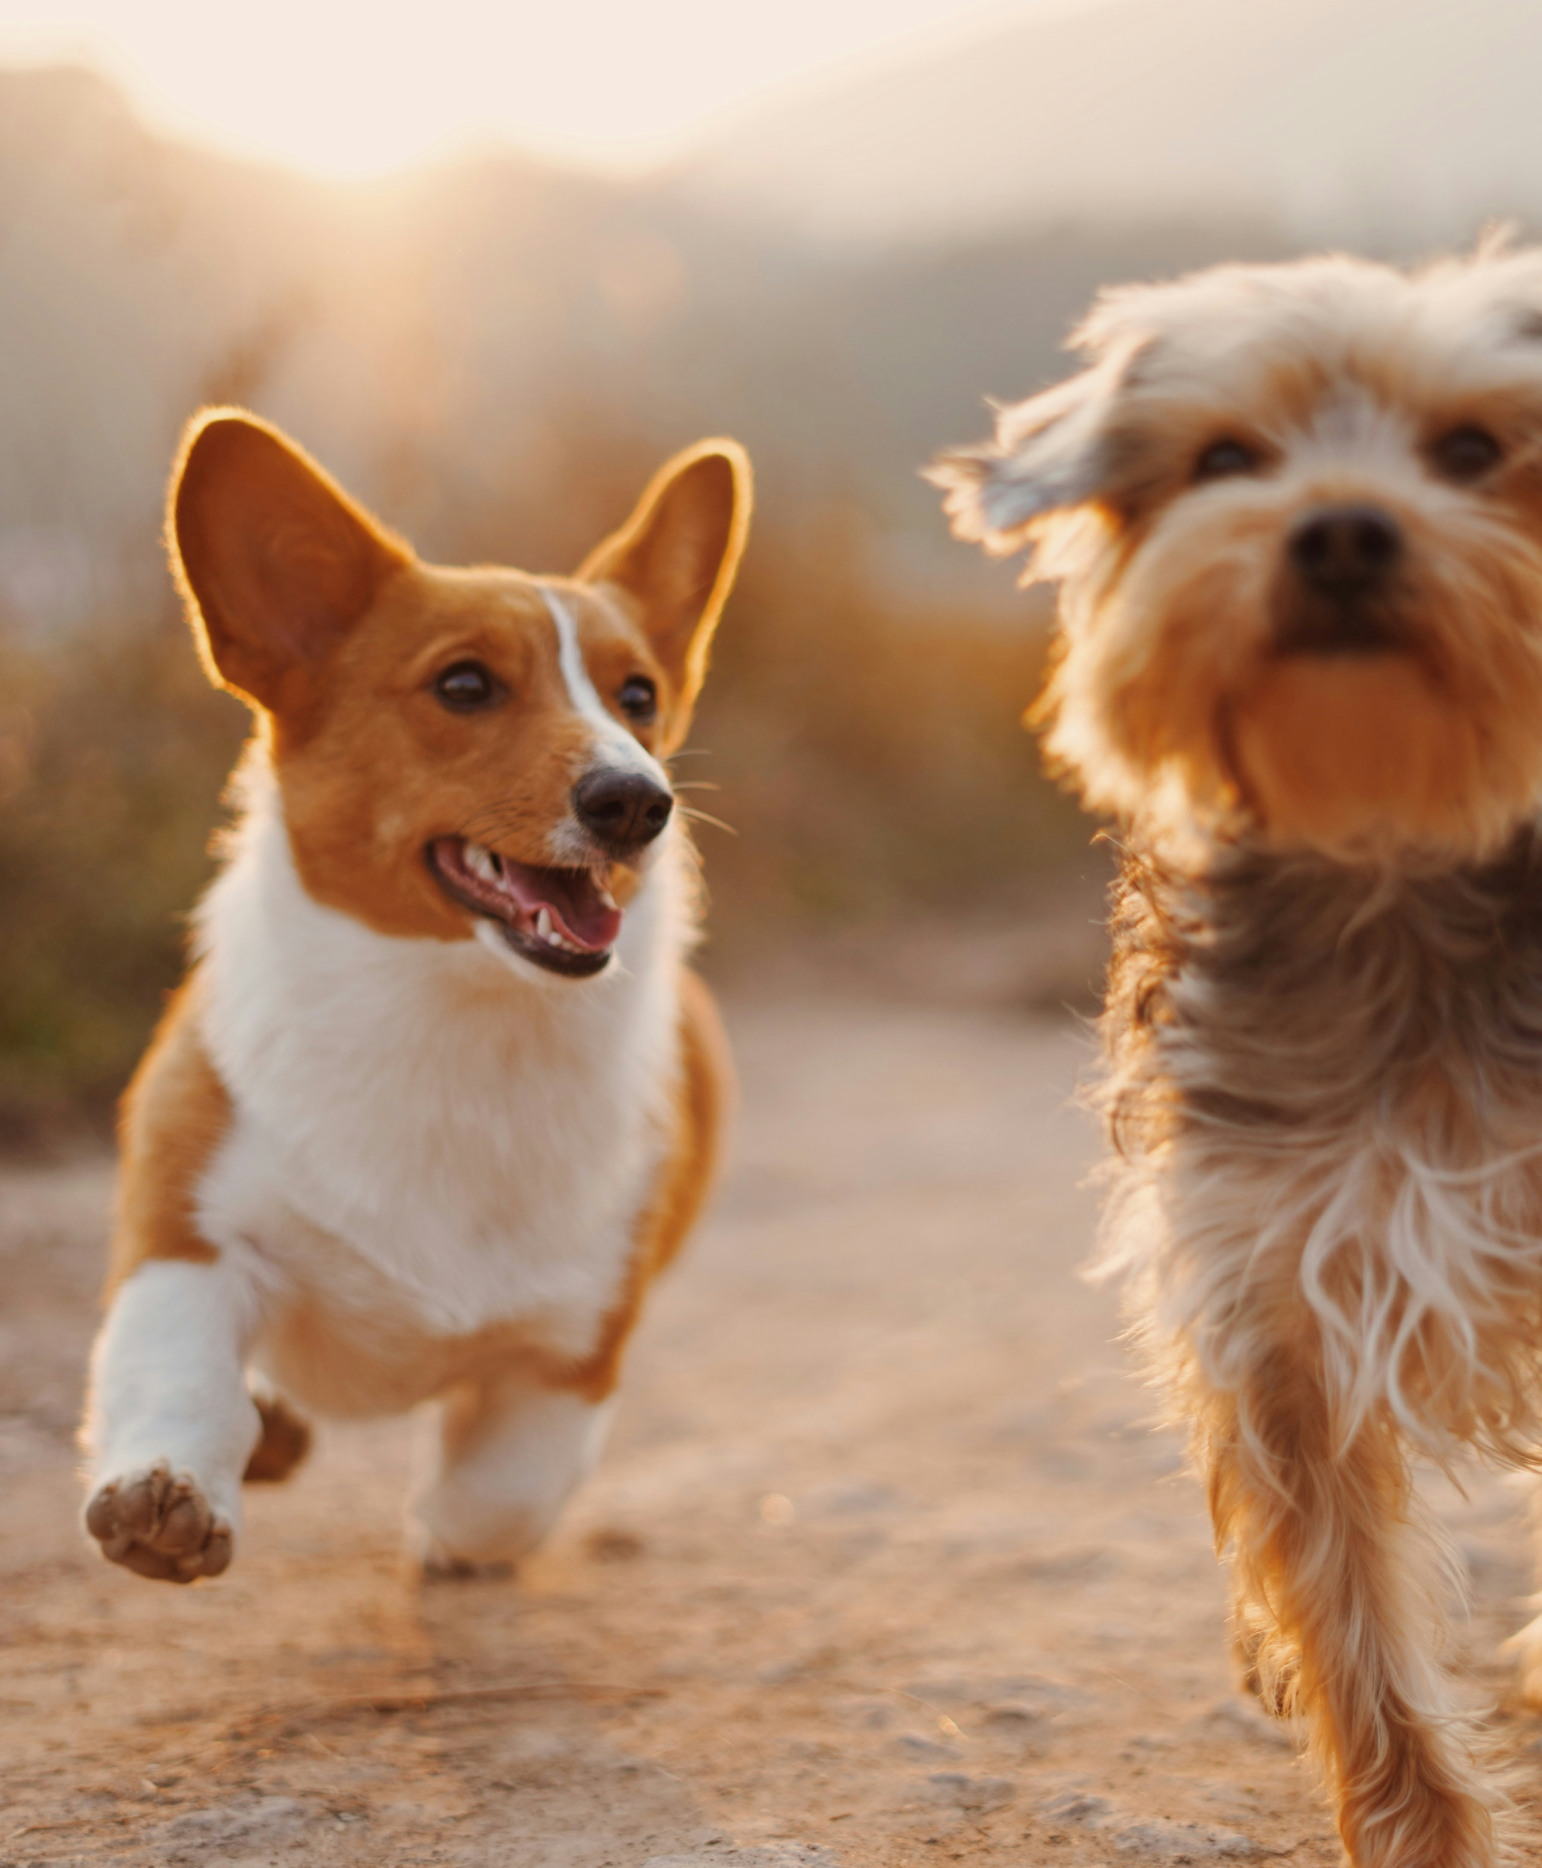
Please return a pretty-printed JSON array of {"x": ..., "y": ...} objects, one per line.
[
  {"x": 1343, "y": 550},
  {"x": 621, "y": 810}
]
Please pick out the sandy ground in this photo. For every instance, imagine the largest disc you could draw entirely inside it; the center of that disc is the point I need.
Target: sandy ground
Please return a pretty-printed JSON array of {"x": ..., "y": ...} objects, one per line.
[{"x": 883, "y": 1566}]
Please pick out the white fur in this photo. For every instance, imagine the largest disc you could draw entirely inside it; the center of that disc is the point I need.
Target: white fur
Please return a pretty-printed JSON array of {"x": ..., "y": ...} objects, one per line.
[
  {"x": 1437, "y": 1251},
  {"x": 425, "y": 1145},
  {"x": 167, "y": 1382},
  {"x": 499, "y": 1490}
]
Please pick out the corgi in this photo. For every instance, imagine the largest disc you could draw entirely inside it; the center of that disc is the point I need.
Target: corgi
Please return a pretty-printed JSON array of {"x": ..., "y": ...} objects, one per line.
[{"x": 439, "y": 1096}]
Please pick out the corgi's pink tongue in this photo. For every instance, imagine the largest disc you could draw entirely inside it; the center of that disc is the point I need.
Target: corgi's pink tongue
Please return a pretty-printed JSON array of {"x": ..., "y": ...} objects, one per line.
[{"x": 571, "y": 897}]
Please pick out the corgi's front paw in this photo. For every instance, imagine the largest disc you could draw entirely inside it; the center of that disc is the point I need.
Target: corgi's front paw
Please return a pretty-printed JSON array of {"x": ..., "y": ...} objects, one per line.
[{"x": 160, "y": 1524}]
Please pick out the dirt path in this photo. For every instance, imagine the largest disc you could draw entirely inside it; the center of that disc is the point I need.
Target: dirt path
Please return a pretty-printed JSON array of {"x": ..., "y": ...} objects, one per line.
[{"x": 882, "y": 1567}]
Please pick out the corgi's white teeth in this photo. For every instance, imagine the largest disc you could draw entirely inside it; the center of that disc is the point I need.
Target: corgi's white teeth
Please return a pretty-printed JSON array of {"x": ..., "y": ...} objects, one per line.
[
  {"x": 481, "y": 862},
  {"x": 545, "y": 929},
  {"x": 606, "y": 899}
]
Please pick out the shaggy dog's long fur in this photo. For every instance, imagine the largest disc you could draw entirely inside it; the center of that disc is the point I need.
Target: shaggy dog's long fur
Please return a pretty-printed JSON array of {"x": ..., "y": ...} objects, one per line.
[{"x": 1297, "y": 516}]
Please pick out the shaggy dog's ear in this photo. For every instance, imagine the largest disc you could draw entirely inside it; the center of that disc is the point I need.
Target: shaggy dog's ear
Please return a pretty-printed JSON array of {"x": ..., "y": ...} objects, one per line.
[
  {"x": 1057, "y": 450},
  {"x": 1049, "y": 454},
  {"x": 1046, "y": 456}
]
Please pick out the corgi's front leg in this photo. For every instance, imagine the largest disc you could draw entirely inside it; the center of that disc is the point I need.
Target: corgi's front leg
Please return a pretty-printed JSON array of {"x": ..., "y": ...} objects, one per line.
[
  {"x": 170, "y": 1424},
  {"x": 511, "y": 1452}
]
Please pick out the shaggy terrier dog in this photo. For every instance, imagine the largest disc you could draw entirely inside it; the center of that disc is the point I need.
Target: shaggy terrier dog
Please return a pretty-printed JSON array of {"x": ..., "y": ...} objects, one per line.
[{"x": 1296, "y": 512}]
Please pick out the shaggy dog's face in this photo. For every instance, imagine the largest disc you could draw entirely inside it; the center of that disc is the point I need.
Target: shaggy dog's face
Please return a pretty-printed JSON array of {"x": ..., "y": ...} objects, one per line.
[{"x": 1297, "y": 512}]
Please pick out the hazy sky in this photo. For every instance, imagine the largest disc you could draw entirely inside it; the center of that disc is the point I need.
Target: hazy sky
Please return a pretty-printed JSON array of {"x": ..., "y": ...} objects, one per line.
[{"x": 346, "y": 87}]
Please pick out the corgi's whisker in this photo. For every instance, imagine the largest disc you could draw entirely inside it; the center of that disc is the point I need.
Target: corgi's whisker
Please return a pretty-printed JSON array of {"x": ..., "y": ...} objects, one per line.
[{"x": 705, "y": 817}]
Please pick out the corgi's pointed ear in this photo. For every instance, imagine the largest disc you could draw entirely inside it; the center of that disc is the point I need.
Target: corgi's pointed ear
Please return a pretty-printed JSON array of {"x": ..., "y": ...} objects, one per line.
[
  {"x": 276, "y": 561},
  {"x": 677, "y": 554}
]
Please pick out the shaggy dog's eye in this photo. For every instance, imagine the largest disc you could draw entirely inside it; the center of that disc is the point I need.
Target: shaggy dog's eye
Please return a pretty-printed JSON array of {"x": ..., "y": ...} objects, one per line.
[
  {"x": 639, "y": 698},
  {"x": 1224, "y": 458},
  {"x": 1466, "y": 453},
  {"x": 465, "y": 686}
]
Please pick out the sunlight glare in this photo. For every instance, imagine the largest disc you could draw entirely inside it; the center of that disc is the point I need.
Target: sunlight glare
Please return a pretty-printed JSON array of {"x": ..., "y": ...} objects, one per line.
[{"x": 326, "y": 86}]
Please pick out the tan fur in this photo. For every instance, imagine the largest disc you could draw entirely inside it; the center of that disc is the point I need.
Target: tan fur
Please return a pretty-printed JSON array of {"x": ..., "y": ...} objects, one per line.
[
  {"x": 701, "y": 1102},
  {"x": 1324, "y": 1022},
  {"x": 286, "y": 1439},
  {"x": 1326, "y": 1575},
  {"x": 381, "y": 767},
  {"x": 369, "y": 764},
  {"x": 175, "y": 1114},
  {"x": 712, "y": 476}
]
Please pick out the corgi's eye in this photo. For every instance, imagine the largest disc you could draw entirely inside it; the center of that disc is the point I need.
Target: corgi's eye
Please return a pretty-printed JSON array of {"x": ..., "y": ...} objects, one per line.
[
  {"x": 1466, "y": 453},
  {"x": 465, "y": 686},
  {"x": 1224, "y": 458},
  {"x": 639, "y": 698}
]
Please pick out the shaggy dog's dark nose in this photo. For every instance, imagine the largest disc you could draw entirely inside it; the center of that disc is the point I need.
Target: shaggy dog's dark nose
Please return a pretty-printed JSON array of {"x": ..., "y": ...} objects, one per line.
[
  {"x": 1343, "y": 550},
  {"x": 621, "y": 810}
]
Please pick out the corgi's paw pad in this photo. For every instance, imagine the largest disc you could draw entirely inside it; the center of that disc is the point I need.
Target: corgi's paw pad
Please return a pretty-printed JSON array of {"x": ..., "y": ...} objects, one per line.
[{"x": 158, "y": 1523}]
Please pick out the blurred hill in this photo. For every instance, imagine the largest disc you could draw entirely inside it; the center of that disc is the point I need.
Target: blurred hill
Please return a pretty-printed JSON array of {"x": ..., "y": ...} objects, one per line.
[
  {"x": 1363, "y": 121},
  {"x": 455, "y": 342},
  {"x": 495, "y": 354}
]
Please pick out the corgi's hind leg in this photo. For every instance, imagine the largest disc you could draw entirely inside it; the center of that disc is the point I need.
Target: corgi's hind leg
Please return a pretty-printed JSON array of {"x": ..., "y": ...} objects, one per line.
[
  {"x": 283, "y": 1443},
  {"x": 511, "y": 1452},
  {"x": 170, "y": 1425}
]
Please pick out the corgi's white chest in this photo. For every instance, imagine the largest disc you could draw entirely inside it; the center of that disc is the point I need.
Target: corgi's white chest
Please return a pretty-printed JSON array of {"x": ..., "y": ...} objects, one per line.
[{"x": 421, "y": 1131}]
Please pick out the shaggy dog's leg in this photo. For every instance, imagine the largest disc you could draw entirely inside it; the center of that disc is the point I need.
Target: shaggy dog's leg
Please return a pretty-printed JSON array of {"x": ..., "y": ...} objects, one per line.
[
  {"x": 1526, "y": 1645},
  {"x": 1339, "y": 1594}
]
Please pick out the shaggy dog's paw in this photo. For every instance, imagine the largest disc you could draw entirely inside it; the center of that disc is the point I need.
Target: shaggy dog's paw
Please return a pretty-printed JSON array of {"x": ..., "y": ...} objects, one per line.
[
  {"x": 1273, "y": 1689},
  {"x": 158, "y": 1523}
]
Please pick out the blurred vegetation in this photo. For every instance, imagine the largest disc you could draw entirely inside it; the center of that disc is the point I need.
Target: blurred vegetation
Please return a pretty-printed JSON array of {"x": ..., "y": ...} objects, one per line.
[
  {"x": 868, "y": 753},
  {"x": 497, "y": 356},
  {"x": 113, "y": 753}
]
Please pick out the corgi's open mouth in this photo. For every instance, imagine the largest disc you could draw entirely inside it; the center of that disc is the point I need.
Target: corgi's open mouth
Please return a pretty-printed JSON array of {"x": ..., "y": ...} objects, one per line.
[{"x": 563, "y": 919}]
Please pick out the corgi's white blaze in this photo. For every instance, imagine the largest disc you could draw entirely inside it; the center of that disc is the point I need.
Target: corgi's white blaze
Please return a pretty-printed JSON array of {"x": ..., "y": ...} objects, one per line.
[
  {"x": 167, "y": 1381},
  {"x": 620, "y": 751}
]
